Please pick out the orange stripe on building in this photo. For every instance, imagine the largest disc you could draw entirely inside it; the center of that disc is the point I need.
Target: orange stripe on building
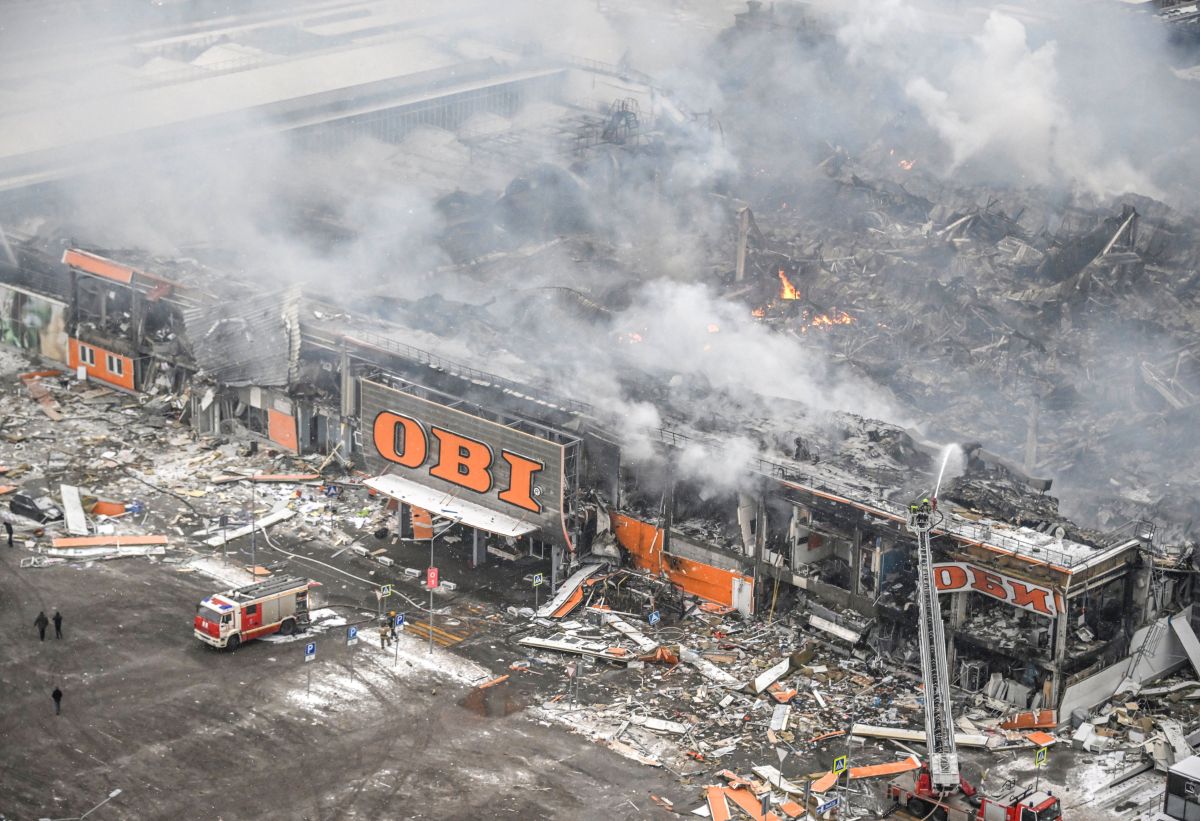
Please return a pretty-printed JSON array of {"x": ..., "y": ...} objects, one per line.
[
  {"x": 98, "y": 266},
  {"x": 644, "y": 542},
  {"x": 102, "y": 365}
]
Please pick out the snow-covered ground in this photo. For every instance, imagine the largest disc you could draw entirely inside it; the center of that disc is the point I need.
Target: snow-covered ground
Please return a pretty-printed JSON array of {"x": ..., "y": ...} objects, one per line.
[{"x": 377, "y": 670}]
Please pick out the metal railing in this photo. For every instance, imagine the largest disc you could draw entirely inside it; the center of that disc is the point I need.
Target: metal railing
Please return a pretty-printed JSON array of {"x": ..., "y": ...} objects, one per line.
[{"x": 861, "y": 496}]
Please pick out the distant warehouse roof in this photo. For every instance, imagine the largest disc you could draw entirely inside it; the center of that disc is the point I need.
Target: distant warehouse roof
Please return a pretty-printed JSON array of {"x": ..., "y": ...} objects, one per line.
[{"x": 58, "y": 138}]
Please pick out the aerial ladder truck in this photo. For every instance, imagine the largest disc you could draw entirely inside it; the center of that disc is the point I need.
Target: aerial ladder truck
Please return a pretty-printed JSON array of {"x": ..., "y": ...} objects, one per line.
[{"x": 937, "y": 791}]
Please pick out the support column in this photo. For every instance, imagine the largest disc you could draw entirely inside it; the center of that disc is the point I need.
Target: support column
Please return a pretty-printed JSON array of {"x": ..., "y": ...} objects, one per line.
[
  {"x": 958, "y": 615},
  {"x": 556, "y": 562},
  {"x": 1062, "y": 624},
  {"x": 760, "y": 547},
  {"x": 346, "y": 388},
  {"x": 856, "y": 561},
  {"x": 478, "y": 549}
]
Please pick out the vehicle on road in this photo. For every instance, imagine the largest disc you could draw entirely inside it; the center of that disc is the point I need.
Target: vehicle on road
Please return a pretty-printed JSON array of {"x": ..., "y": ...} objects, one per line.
[{"x": 260, "y": 609}]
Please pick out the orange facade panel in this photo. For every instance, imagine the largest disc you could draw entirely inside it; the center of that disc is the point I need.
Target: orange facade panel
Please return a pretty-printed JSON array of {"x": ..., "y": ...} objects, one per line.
[
  {"x": 644, "y": 543},
  {"x": 422, "y": 523},
  {"x": 281, "y": 429},
  {"x": 105, "y": 366},
  {"x": 98, "y": 266}
]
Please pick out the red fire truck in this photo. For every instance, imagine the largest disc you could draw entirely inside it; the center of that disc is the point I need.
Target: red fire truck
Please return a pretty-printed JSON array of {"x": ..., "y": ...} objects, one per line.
[
  {"x": 938, "y": 791},
  {"x": 272, "y": 606}
]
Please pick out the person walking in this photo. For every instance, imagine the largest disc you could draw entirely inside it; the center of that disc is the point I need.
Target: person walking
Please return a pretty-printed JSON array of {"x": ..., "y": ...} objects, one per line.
[
  {"x": 385, "y": 635},
  {"x": 57, "y": 624},
  {"x": 8, "y": 531},
  {"x": 41, "y": 623},
  {"x": 57, "y": 696}
]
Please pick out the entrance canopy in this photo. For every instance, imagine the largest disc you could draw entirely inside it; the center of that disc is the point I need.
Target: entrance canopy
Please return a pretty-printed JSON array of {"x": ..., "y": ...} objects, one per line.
[{"x": 447, "y": 506}]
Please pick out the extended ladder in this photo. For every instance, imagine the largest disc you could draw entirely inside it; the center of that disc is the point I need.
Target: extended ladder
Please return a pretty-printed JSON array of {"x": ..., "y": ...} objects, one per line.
[{"x": 939, "y": 721}]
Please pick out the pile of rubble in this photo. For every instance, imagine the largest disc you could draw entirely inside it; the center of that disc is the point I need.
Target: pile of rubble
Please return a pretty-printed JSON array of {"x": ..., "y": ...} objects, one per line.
[
  {"x": 136, "y": 482},
  {"x": 1150, "y": 722},
  {"x": 1058, "y": 327},
  {"x": 706, "y": 694}
]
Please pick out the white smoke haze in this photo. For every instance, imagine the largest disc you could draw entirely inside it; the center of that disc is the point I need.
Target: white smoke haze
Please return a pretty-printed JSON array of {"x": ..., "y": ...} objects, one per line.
[{"x": 1076, "y": 97}]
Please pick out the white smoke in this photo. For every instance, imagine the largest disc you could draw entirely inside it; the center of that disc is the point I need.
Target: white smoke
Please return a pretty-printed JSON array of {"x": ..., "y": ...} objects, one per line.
[{"x": 1001, "y": 100}]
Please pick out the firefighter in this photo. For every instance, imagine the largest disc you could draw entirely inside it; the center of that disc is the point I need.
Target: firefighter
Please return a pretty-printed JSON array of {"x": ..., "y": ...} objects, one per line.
[
  {"x": 920, "y": 513},
  {"x": 57, "y": 696},
  {"x": 392, "y": 623},
  {"x": 384, "y": 635},
  {"x": 41, "y": 622},
  {"x": 57, "y": 624}
]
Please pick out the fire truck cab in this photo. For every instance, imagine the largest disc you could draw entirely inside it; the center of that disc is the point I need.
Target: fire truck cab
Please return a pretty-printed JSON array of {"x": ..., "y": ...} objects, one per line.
[
  {"x": 272, "y": 606},
  {"x": 1019, "y": 804}
]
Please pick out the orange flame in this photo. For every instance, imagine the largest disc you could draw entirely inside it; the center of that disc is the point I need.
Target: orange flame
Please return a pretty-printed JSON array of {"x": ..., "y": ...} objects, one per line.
[
  {"x": 759, "y": 312},
  {"x": 907, "y": 165},
  {"x": 714, "y": 328},
  {"x": 834, "y": 317},
  {"x": 786, "y": 289}
]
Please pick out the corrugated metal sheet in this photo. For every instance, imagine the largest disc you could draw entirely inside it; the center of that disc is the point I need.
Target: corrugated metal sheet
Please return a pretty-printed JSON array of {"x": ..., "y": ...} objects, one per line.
[{"x": 255, "y": 341}]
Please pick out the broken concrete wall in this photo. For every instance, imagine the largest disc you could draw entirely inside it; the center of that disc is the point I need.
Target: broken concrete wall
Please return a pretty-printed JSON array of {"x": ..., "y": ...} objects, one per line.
[{"x": 1163, "y": 654}]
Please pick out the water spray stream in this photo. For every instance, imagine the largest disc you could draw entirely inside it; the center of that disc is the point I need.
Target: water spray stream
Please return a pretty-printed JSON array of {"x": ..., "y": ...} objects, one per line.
[{"x": 945, "y": 459}]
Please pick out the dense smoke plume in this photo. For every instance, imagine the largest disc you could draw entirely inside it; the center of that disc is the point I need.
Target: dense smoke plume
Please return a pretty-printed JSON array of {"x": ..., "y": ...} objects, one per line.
[{"x": 1014, "y": 99}]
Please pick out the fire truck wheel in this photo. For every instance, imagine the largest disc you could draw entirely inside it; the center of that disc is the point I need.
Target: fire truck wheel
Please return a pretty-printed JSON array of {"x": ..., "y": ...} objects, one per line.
[
  {"x": 287, "y": 627},
  {"x": 918, "y": 807},
  {"x": 234, "y": 641}
]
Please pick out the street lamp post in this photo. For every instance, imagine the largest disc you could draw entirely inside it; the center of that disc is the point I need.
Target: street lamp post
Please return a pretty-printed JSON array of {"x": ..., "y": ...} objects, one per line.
[
  {"x": 433, "y": 534},
  {"x": 111, "y": 796},
  {"x": 253, "y": 529}
]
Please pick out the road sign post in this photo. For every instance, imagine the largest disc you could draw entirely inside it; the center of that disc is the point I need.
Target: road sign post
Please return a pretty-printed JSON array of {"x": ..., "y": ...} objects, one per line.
[
  {"x": 431, "y": 581},
  {"x": 840, "y": 765},
  {"x": 310, "y": 654},
  {"x": 538, "y": 581},
  {"x": 351, "y": 640},
  {"x": 1039, "y": 759},
  {"x": 654, "y": 618},
  {"x": 831, "y": 804},
  {"x": 397, "y": 624}
]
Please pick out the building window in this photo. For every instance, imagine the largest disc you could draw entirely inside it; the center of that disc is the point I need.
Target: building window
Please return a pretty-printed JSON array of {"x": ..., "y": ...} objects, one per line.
[
  {"x": 87, "y": 356},
  {"x": 115, "y": 365}
]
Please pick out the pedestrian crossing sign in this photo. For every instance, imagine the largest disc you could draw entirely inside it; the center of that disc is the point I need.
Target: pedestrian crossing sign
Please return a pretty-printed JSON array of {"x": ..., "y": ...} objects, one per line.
[
  {"x": 839, "y": 764},
  {"x": 1039, "y": 758}
]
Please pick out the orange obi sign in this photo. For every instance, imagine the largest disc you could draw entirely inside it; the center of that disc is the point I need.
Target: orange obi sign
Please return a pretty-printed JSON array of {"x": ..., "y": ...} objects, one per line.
[
  {"x": 457, "y": 459},
  {"x": 959, "y": 577}
]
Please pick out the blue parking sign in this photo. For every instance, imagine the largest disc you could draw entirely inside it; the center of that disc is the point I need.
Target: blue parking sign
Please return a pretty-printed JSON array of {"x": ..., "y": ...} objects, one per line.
[
  {"x": 310, "y": 651},
  {"x": 351, "y": 636},
  {"x": 399, "y": 619}
]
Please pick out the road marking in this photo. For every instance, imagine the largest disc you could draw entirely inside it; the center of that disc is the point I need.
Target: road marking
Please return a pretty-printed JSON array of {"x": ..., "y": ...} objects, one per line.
[{"x": 443, "y": 637}]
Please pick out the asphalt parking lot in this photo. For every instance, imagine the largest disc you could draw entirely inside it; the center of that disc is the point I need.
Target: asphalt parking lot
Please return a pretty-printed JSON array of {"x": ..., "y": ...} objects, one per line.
[{"x": 185, "y": 731}]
